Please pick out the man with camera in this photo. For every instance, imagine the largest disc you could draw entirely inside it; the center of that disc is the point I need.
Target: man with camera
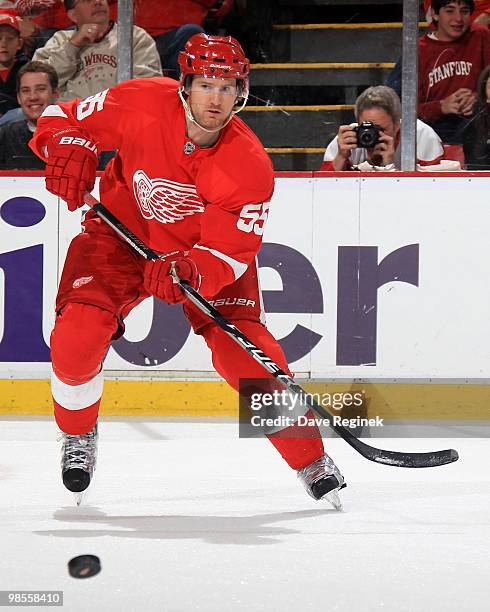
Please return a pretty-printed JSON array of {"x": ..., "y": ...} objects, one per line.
[{"x": 373, "y": 143}]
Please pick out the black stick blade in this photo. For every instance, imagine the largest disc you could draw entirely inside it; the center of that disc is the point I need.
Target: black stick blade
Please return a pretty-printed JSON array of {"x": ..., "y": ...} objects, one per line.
[{"x": 410, "y": 460}]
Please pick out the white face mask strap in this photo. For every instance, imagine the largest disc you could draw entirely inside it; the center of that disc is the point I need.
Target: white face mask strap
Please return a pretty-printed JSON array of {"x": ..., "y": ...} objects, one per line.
[{"x": 242, "y": 105}]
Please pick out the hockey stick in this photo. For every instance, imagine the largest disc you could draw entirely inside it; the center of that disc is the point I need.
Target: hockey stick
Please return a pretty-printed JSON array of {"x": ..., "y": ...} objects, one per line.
[{"x": 386, "y": 457}]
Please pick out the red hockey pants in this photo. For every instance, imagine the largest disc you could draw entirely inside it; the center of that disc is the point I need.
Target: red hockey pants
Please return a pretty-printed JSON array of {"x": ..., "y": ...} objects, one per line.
[{"x": 82, "y": 337}]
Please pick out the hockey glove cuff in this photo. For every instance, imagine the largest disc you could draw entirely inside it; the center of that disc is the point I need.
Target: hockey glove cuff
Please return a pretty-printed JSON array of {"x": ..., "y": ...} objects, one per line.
[{"x": 71, "y": 166}]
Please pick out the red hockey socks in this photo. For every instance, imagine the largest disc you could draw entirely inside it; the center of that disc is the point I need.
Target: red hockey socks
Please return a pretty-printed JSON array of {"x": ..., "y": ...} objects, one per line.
[{"x": 79, "y": 343}]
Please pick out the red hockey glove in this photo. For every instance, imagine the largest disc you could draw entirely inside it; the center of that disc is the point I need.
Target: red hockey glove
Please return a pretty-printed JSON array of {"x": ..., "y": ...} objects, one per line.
[
  {"x": 71, "y": 166},
  {"x": 160, "y": 283}
]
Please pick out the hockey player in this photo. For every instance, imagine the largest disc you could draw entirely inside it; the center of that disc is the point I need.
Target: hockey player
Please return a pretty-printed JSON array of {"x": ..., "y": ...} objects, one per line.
[{"x": 194, "y": 182}]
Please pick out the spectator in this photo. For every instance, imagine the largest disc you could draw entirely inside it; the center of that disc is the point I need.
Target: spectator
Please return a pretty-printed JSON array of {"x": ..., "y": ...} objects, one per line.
[
  {"x": 480, "y": 15},
  {"x": 37, "y": 88},
  {"x": 476, "y": 137},
  {"x": 86, "y": 59},
  {"x": 451, "y": 58},
  {"x": 50, "y": 16},
  {"x": 26, "y": 25},
  {"x": 10, "y": 61},
  {"x": 380, "y": 106},
  {"x": 172, "y": 23}
]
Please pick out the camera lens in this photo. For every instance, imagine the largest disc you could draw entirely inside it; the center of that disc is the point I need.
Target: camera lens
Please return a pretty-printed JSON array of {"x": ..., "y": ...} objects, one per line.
[
  {"x": 367, "y": 135},
  {"x": 366, "y": 139}
]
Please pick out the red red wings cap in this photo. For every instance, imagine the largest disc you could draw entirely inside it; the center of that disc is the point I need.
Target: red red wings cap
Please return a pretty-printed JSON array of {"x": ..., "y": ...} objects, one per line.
[{"x": 9, "y": 21}]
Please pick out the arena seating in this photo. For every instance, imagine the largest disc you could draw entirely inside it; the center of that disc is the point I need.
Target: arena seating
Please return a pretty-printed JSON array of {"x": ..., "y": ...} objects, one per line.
[{"x": 324, "y": 54}]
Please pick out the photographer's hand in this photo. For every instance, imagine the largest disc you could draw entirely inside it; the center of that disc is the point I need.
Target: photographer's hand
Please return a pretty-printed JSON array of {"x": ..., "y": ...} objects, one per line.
[
  {"x": 383, "y": 153},
  {"x": 347, "y": 142}
]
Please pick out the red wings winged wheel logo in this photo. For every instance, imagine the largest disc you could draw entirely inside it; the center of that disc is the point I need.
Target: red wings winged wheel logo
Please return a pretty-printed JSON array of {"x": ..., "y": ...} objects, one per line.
[{"x": 164, "y": 200}]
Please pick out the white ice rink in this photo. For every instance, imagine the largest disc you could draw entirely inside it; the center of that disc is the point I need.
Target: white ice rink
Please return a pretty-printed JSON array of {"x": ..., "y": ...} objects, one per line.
[{"x": 185, "y": 516}]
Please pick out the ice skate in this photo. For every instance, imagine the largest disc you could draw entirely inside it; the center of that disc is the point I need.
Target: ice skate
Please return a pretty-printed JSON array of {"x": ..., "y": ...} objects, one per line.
[
  {"x": 78, "y": 458},
  {"x": 323, "y": 480}
]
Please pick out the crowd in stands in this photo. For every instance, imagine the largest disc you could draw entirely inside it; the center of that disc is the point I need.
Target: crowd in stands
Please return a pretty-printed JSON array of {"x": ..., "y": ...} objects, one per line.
[
  {"x": 453, "y": 100},
  {"x": 76, "y": 42},
  {"x": 452, "y": 55},
  {"x": 86, "y": 58}
]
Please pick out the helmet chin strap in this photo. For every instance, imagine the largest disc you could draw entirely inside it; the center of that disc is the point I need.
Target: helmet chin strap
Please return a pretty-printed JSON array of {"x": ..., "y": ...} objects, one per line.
[{"x": 191, "y": 117}]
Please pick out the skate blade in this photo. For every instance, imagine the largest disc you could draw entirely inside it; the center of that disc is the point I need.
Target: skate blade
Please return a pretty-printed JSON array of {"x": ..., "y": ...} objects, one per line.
[{"x": 333, "y": 497}]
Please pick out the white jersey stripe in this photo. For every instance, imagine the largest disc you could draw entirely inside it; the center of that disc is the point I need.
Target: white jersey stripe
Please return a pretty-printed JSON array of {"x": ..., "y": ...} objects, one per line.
[
  {"x": 238, "y": 267},
  {"x": 261, "y": 299},
  {"x": 53, "y": 110},
  {"x": 77, "y": 397}
]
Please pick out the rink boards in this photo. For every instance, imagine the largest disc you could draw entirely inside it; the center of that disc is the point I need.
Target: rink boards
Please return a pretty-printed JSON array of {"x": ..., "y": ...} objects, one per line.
[{"x": 380, "y": 279}]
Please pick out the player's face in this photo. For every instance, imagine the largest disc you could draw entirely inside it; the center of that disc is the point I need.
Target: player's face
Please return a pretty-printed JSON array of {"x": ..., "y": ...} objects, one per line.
[
  {"x": 453, "y": 21},
  {"x": 211, "y": 100},
  {"x": 10, "y": 43},
  {"x": 89, "y": 11},
  {"x": 35, "y": 93}
]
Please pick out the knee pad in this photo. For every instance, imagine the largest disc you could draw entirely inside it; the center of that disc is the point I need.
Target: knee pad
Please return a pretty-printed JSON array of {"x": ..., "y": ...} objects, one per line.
[{"x": 80, "y": 340}]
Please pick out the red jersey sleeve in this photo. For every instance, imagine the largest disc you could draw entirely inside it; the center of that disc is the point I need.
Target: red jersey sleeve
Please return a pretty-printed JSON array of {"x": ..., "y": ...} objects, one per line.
[{"x": 102, "y": 117}]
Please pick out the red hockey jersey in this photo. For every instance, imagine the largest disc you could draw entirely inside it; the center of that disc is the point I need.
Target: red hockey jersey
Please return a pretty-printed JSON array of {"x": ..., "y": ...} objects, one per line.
[
  {"x": 168, "y": 191},
  {"x": 445, "y": 67}
]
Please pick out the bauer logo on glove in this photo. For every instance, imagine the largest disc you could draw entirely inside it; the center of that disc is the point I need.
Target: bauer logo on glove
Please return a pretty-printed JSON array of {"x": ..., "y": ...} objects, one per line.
[
  {"x": 82, "y": 142},
  {"x": 71, "y": 166}
]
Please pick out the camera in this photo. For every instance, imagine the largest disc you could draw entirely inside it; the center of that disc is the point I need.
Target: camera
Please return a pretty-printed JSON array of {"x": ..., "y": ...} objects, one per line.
[{"x": 367, "y": 135}]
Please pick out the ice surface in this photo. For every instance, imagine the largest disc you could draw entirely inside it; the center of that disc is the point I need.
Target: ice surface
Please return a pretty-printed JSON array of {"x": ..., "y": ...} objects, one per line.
[{"x": 185, "y": 516}]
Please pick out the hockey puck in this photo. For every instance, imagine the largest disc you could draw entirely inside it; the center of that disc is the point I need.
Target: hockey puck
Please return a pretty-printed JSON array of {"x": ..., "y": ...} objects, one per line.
[{"x": 84, "y": 566}]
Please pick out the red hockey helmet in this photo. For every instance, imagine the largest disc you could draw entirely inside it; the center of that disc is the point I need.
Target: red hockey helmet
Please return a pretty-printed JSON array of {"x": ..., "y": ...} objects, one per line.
[{"x": 213, "y": 56}]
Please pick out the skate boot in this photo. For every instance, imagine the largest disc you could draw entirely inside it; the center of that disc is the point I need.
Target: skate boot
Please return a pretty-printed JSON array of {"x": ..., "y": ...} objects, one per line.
[
  {"x": 78, "y": 458},
  {"x": 323, "y": 480}
]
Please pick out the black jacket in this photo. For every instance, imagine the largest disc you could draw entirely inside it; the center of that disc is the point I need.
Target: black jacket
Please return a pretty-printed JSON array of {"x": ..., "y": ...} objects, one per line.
[
  {"x": 14, "y": 150},
  {"x": 8, "y": 89},
  {"x": 476, "y": 144}
]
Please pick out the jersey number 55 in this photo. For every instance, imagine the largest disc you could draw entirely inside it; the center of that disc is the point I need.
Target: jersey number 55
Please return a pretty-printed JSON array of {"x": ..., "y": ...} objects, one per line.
[{"x": 253, "y": 218}]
